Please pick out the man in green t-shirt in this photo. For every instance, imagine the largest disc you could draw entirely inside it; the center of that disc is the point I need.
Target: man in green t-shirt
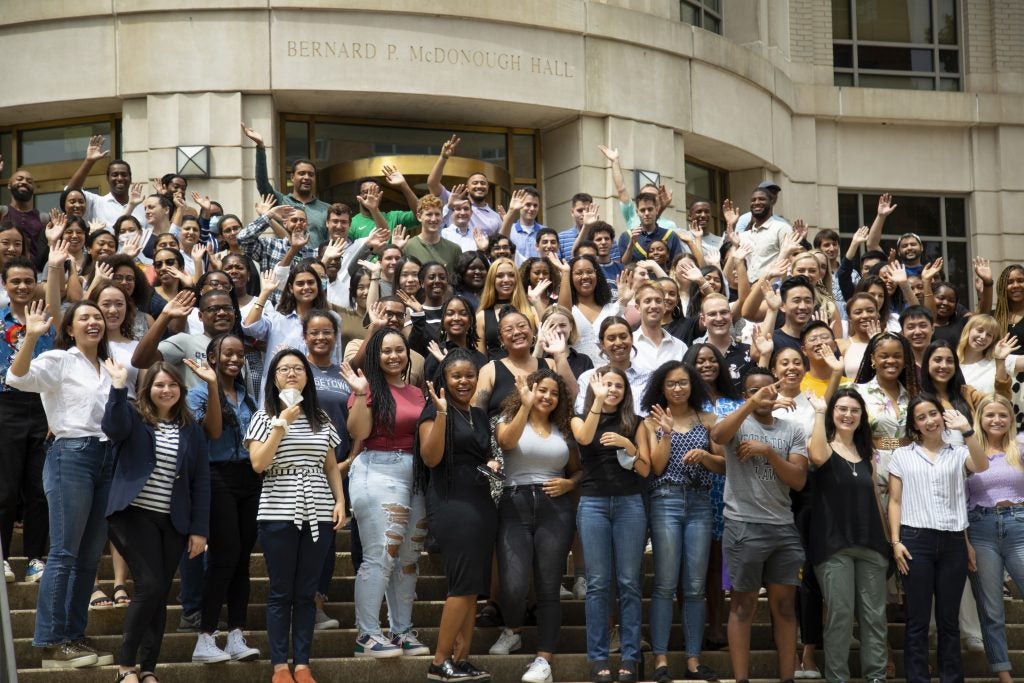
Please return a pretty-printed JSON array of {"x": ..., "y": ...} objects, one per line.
[{"x": 362, "y": 222}]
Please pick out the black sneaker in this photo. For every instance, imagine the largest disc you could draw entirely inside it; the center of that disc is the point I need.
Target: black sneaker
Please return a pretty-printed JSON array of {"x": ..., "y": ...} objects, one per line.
[
  {"x": 489, "y": 616},
  {"x": 446, "y": 671},
  {"x": 475, "y": 673},
  {"x": 662, "y": 675},
  {"x": 703, "y": 673},
  {"x": 67, "y": 656}
]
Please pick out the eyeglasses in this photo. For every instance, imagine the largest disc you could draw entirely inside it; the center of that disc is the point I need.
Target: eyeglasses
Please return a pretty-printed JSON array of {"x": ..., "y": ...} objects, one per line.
[
  {"x": 820, "y": 339},
  {"x": 393, "y": 314},
  {"x": 217, "y": 309},
  {"x": 676, "y": 384},
  {"x": 290, "y": 370},
  {"x": 169, "y": 262}
]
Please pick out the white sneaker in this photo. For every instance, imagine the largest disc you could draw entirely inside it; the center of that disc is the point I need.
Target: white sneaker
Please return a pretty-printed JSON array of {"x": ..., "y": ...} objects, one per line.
[
  {"x": 974, "y": 644},
  {"x": 238, "y": 649},
  {"x": 564, "y": 593},
  {"x": 579, "y": 588},
  {"x": 8, "y": 572},
  {"x": 507, "y": 642},
  {"x": 539, "y": 671},
  {"x": 207, "y": 652},
  {"x": 324, "y": 622}
]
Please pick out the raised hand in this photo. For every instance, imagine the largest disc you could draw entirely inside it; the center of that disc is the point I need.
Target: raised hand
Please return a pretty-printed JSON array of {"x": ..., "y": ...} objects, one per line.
[
  {"x": 828, "y": 355},
  {"x": 525, "y": 391},
  {"x": 434, "y": 349},
  {"x": 392, "y": 176},
  {"x": 661, "y": 418},
  {"x": 610, "y": 153},
  {"x": 136, "y": 193},
  {"x": 456, "y": 195},
  {"x": 664, "y": 197},
  {"x": 95, "y": 225},
  {"x": 198, "y": 252},
  {"x": 265, "y": 204},
  {"x": 816, "y": 401},
  {"x": 554, "y": 343},
  {"x": 874, "y": 327},
  {"x": 334, "y": 249},
  {"x": 983, "y": 269},
  {"x": 500, "y": 210},
  {"x": 599, "y": 388},
  {"x": 1004, "y": 347},
  {"x": 449, "y": 146},
  {"x": 779, "y": 269},
  {"x": 731, "y": 213},
  {"x": 59, "y": 254},
  {"x": 55, "y": 228},
  {"x": 438, "y": 399},
  {"x": 535, "y": 293},
  {"x": 591, "y": 215},
  {"x": 184, "y": 278},
  {"x": 377, "y": 317},
  {"x": 790, "y": 244},
  {"x": 763, "y": 342},
  {"x": 766, "y": 395},
  {"x": 480, "y": 239},
  {"x": 203, "y": 201},
  {"x": 94, "y": 152},
  {"x": 103, "y": 271},
  {"x": 800, "y": 229},
  {"x": 132, "y": 246},
  {"x": 861, "y": 236},
  {"x": 898, "y": 273},
  {"x": 298, "y": 239},
  {"x": 743, "y": 249},
  {"x": 561, "y": 265},
  {"x": 516, "y": 202},
  {"x": 179, "y": 200},
  {"x": 885, "y": 205},
  {"x": 181, "y": 305},
  {"x": 268, "y": 282},
  {"x": 932, "y": 270},
  {"x": 399, "y": 236},
  {"x": 354, "y": 378},
  {"x": 378, "y": 238},
  {"x": 624, "y": 285},
  {"x": 37, "y": 322},
  {"x": 280, "y": 213},
  {"x": 410, "y": 301},
  {"x": 118, "y": 373},
  {"x": 158, "y": 185},
  {"x": 371, "y": 199},
  {"x": 252, "y": 135},
  {"x": 372, "y": 266},
  {"x": 771, "y": 297},
  {"x": 957, "y": 421},
  {"x": 691, "y": 272},
  {"x": 202, "y": 371}
]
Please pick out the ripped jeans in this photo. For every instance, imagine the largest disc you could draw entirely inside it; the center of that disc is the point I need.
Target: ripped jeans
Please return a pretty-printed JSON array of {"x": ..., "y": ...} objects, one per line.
[{"x": 392, "y": 527}]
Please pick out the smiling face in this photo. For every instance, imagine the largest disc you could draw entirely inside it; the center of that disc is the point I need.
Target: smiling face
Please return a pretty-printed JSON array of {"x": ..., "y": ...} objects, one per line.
[
  {"x": 74, "y": 204},
  {"x": 979, "y": 338},
  {"x": 305, "y": 288},
  {"x": 362, "y": 290},
  {"x": 808, "y": 267},
  {"x": 889, "y": 361},
  {"x": 477, "y": 186},
  {"x": 584, "y": 277},
  {"x": 304, "y": 178},
  {"x": 388, "y": 261},
  {"x": 1015, "y": 286},
  {"x": 617, "y": 343},
  {"x": 394, "y": 356},
  {"x": 505, "y": 281},
  {"x": 760, "y": 204},
  {"x": 927, "y": 420},
  {"x": 545, "y": 396},
  {"x": 909, "y": 249},
  {"x": 74, "y": 235},
  {"x": 700, "y": 213},
  {"x": 918, "y": 332},
  {"x": 677, "y": 387},
  {"x": 798, "y": 306},
  {"x": 671, "y": 290},
  {"x": 409, "y": 278},
  {"x": 319, "y": 337},
  {"x": 789, "y": 367},
  {"x": 22, "y": 186},
  {"x": 217, "y": 314},
  {"x": 862, "y": 313},
  {"x": 941, "y": 366},
  {"x": 165, "y": 263},
  {"x": 830, "y": 248},
  {"x": 338, "y": 225},
  {"x": 188, "y": 234},
  {"x": 945, "y": 302},
  {"x": 435, "y": 283},
  {"x": 995, "y": 421},
  {"x": 430, "y": 220},
  {"x": 461, "y": 212},
  {"x": 846, "y": 415},
  {"x": 616, "y": 387},
  {"x": 20, "y": 285},
  {"x": 515, "y": 333},
  {"x": 651, "y": 303},
  {"x": 290, "y": 373},
  {"x": 455, "y": 320},
  {"x": 548, "y": 245},
  {"x": 707, "y": 366},
  {"x": 167, "y": 241},
  {"x": 502, "y": 249},
  {"x": 475, "y": 275},
  {"x": 658, "y": 253},
  {"x": 124, "y": 277},
  {"x": 11, "y": 244},
  {"x": 877, "y": 293},
  {"x": 539, "y": 271},
  {"x": 460, "y": 382},
  {"x": 119, "y": 178},
  {"x": 816, "y": 339},
  {"x": 165, "y": 393},
  {"x": 103, "y": 245},
  {"x": 531, "y": 207},
  {"x": 229, "y": 229},
  {"x": 88, "y": 327},
  {"x": 231, "y": 359},
  {"x": 113, "y": 303}
]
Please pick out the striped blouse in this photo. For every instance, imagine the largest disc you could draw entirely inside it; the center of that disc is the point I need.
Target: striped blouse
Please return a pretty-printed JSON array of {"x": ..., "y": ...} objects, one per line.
[
  {"x": 156, "y": 493},
  {"x": 934, "y": 492},
  {"x": 295, "y": 487}
]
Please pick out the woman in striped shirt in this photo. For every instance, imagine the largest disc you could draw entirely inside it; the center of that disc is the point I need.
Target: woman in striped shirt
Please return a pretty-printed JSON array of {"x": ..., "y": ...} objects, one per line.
[
  {"x": 927, "y": 519},
  {"x": 291, "y": 441},
  {"x": 160, "y": 498}
]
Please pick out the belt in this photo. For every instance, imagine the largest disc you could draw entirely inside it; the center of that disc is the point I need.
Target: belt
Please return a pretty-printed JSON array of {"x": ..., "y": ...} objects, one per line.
[
  {"x": 888, "y": 443},
  {"x": 679, "y": 487},
  {"x": 512, "y": 490}
]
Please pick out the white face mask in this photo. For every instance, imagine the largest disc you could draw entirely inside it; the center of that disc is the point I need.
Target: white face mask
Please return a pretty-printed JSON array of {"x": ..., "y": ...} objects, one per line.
[
  {"x": 214, "y": 224},
  {"x": 626, "y": 461}
]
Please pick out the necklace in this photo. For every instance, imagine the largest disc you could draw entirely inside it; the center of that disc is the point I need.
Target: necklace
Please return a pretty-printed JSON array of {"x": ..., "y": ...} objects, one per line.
[
  {"x": 852, "y": 465},
  {"x": 468, "y": 416}
]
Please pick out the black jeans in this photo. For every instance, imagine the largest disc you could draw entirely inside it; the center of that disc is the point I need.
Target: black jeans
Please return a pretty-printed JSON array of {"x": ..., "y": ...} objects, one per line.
[
  {"x": 534, "y": 535},
  {"x": 23, "y": 435},
  {"x": 938, "y": 569},
  {"x": 234, "y": 502},
  {"x": 151, "y": 547}
]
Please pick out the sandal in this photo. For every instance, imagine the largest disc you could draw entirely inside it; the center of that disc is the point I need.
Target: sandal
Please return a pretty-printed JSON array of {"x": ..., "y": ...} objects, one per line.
[
  {"x": 121, "y": 676},
  {"x": 600, "y": 672},
  {"x": 123, "y": 600},
  {"x": 101, "y": 602},
  {"x": 627, "y": 672},
  {"x": 148, "y": 674}
]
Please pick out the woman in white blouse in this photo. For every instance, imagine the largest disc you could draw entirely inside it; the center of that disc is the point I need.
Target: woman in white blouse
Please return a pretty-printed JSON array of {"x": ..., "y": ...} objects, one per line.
[
  {"x": 291, "y": 442},
  {"x": 927, "y": 519}
]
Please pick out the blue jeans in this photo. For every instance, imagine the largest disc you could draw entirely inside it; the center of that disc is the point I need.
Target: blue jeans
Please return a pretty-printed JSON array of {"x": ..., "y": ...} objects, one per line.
[
  {"x": 76, "y": 480},
  {"x": 294, "y": 561},
  {"x": 937, "y": 568},
  {"x": 680, "y": 519},
  {"x": 612, "y": 530},
  {"x": 393, "y": 526},
  {"x": 997, "y": 535}
]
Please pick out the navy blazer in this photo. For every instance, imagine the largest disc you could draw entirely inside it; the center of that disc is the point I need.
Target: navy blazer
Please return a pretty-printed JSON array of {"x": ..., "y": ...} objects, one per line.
[{"x": 135, "y": 457}]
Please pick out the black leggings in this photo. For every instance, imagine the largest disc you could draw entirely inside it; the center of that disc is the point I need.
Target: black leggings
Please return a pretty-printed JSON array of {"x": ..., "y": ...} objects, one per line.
[
  {"x": 234, "y": 503},
  {"x": 150, "y": 545},
  {"x": 534, "y": 535}
]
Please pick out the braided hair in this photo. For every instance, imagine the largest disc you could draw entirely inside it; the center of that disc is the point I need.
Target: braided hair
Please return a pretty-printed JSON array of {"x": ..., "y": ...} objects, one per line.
[
  {"x": 383, "y": 406},
  {"x": 228, "y": 418}
]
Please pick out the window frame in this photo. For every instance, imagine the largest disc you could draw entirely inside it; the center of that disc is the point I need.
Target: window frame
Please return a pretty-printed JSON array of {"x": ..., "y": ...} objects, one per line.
[
  {"x": 719, "y": 185},
  {"x": 935, "y": 47},
  {"x": 703, "y": 12}
]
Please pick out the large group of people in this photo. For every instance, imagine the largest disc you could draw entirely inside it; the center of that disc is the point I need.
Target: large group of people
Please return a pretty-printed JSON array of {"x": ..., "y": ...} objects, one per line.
[{"x": 764, "y": 412}]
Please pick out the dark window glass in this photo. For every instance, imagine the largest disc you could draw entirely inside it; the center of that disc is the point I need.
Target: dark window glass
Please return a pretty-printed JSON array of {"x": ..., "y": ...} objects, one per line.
[
  {"x": 841, "y": 19},
  {"x": 523, "y": 158},
  {"x": 713, "y": 5},
  {"x": 947, "y": 22},
  {"x": 949, "y": 61},
  {"x": 296, "y": 141},
  {"x": 840, "y": 79},
  {"x": 849, "y": 218},
  {"x": 7, "y": 151},
  {"x": 689, "y": 14},
  {"x": 894, "y": 21},
  {"x": 959, "y": 270},
  {"x": 956, "y": 217},
  {"x": 61, "y": 143},
  {"x": 949, "y": 84},
  {"x": 712, "y": 24},
  {"x": 901, "y": 82},
  {"x": 894, "y": 58},
  {"x": 842, "y": 56}
]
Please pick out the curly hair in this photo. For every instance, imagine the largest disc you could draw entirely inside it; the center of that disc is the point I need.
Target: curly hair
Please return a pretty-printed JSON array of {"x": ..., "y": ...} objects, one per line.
[
  {"x": 562, "y": 413},
  {"x": 908, "y": 378},
  {"x": 1002, "y": 312},
  {"x": 655, "y": 394}
]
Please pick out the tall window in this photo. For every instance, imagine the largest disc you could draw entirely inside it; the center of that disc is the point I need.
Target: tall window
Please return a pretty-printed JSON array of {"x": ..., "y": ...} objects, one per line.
[
  {"x": 709, "y": 184},
  {"x": 909, "y": 44},
  {"x": 52, "y": 151},
  {"x": 706, "y": 14},
  {"x": 940, "y": 222}
]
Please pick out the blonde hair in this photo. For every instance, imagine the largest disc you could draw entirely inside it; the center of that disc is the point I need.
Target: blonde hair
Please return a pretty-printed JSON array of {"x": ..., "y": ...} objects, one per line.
[
  {"x": 489, "y": 294},
  {"x": 989, "y": 324},
  {"x": 1009, "y": 445},
  {"x": 558, "y": 309},
  {"x": 823, "y": 298}
]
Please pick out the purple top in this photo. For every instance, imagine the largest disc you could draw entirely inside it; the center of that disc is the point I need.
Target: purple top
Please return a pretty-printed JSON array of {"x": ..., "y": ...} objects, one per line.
[{"x": 1001, "y": 481}]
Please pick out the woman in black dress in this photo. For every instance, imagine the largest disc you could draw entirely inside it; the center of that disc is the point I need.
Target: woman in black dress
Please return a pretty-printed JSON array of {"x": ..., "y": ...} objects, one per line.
[{"x": 454, "y": 440}]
